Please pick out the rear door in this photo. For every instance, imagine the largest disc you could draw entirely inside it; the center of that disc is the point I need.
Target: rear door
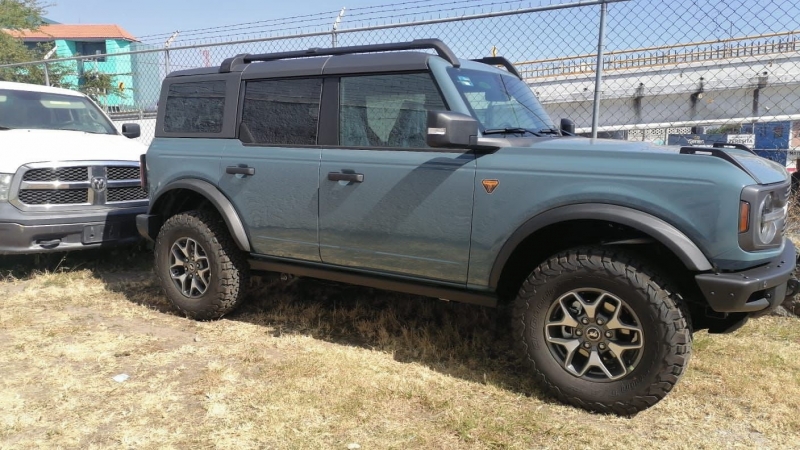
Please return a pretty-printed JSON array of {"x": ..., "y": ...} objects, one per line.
[
  {"x": 388, "y": 202},
  {"x": 271, "y": 174}
]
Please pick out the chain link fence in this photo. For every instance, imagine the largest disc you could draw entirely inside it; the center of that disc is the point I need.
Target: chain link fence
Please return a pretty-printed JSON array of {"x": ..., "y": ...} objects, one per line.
[{"x": 684, "y": 72}]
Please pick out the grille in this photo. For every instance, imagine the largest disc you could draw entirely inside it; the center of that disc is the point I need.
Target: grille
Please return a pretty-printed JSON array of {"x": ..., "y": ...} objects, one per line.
[
  {"x": 125, "y": 194},
  {"x": 123, "y": 173},
  {"x": 60, "y": 174},
  {"x": 53, "y": 197}
]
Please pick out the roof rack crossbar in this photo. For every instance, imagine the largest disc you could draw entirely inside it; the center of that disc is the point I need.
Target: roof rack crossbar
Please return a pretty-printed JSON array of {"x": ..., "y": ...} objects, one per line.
[
  {"x": 418, "y": 44},
  {"x": 499, "y": 61}
]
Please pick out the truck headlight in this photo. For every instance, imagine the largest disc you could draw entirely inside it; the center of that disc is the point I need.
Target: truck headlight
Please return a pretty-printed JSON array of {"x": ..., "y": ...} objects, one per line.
[
  {"x": 5, "y": 185},
  {"x": 769, "y": 214}
]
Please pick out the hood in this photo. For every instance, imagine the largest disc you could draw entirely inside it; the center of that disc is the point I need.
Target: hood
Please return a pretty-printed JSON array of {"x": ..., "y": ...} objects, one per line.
[
  {"x": 762, "y": 170},
  {"x": 20, "y": 146}
]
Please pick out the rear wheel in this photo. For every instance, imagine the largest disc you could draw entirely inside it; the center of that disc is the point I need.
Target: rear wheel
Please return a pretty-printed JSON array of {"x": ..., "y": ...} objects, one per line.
[
  {"x": 601, "y": 331},
  {"x": 201, "y": 269}
]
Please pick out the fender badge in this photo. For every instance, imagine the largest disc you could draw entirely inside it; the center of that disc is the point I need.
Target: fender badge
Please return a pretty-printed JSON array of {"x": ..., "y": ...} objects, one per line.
[{"x": 490, "y": 185}]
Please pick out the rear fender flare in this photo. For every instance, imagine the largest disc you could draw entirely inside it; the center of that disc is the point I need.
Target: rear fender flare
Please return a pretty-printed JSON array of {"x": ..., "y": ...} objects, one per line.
[{"x": 220, "y": 202}]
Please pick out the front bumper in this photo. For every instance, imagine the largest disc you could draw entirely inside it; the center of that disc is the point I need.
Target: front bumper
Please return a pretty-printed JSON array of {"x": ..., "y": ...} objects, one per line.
[
  {"x": 754, "y": 291},
  {"x": 22, "y": 233}
]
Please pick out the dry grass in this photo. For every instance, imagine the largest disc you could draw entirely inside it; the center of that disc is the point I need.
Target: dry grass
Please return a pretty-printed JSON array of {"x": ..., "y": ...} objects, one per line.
[{"x": 314, "y": 365}]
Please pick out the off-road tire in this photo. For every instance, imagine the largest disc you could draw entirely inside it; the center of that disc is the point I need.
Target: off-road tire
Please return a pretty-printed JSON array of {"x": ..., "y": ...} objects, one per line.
[
  {"x": 229, "y": 267},
  {"x": 667, "y": 333}
]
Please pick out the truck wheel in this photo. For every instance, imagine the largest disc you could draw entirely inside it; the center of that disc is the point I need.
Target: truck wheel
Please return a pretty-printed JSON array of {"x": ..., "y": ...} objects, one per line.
[
  {"x": 601, "y": 331},
  {"x": 203, "y": 272}
]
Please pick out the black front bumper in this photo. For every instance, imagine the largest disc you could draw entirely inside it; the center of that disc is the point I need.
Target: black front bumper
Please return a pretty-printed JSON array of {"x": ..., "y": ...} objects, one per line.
[
  {"x": 22, "y": 233},
  {"x": 754, "y": 291}
]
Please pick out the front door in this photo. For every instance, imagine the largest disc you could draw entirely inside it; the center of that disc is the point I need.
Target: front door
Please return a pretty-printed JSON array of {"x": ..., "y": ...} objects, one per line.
[
  {"x": 272, "y": 173},
  {"x": 388, "y": 202}
]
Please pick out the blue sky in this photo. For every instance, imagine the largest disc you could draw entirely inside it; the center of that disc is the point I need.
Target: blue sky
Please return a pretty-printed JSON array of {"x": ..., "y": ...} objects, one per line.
[{"x": 148, "y": 17}]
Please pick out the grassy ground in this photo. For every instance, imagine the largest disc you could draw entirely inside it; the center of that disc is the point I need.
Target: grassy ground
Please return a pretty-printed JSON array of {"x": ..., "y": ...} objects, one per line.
[{"x": 318, "y": 365}]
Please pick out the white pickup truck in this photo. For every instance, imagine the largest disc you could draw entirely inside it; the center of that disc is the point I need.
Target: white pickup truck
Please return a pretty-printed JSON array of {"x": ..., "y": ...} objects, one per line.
[{"x": 68, "y": 178}]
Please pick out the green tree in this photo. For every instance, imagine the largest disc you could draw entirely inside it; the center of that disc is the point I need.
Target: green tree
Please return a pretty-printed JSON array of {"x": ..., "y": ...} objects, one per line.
[{"x": 27, "y": 15}]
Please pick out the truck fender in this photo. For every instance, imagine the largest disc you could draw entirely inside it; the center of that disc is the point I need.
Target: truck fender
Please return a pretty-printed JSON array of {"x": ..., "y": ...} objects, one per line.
[
  {"x": 672, "y": 238},
  {"x": 223, "y": 205}
]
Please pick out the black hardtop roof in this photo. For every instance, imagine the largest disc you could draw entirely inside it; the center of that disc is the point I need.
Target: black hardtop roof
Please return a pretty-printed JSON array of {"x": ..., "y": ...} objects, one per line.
[{"x": 393, "y": 57}]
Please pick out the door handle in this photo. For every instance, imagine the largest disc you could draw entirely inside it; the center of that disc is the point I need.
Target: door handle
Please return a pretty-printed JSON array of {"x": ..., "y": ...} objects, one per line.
[
  {"x": 339, "y": 176},
  {"x": 239, "y": 170}
]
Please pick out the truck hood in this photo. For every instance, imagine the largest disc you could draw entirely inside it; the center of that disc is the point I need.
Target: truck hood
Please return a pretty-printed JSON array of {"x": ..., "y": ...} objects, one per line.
[
  {"x": 762, "y": 170},
  {"x": 21, "y": 146}
]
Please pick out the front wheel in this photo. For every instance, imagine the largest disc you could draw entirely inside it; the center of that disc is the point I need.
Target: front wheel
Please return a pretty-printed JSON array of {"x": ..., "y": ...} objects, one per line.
[
  {"x": 601, "y": 331},
  {"x": 201, "y": 269}
]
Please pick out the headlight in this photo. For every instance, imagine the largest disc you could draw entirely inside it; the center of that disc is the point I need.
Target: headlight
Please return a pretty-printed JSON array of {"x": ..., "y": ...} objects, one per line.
[
  {"x": 768, "y": 216},
  {"x": 5, "y": 184}
]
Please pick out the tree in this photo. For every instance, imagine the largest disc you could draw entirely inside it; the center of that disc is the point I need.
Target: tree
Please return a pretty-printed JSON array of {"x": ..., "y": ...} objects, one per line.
[{"x": 27, "y": 15}]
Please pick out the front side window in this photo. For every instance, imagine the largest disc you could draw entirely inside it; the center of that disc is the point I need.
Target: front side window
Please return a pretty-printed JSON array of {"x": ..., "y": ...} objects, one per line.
[
  {"x": 196, "y": 107},
  {"x": 47, "y": 111},
  {"x": 387, "y": 110},
  {"x": 500, "y": 101},
  {"x": 281, "y": 112}
]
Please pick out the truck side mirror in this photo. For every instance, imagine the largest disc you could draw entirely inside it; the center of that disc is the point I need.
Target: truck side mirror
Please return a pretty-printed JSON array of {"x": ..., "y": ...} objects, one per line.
[
  {"x": 568, "y": 127},
  {"x": 451, "y": 129},
  {"x": 131, "y": 130}
]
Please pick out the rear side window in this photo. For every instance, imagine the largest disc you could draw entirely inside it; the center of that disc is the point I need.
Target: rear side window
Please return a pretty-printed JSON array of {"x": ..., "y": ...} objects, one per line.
[
  {"x": 281, "y": 112},
  {"x": 196, "y": 107}
]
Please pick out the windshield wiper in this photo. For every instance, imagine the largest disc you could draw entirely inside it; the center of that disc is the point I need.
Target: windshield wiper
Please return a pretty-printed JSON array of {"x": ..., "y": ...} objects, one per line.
[
  {"x": 5, "y": 128},
  {"x": 510, "y": 131},
  {"x": 550, "y": 131}
]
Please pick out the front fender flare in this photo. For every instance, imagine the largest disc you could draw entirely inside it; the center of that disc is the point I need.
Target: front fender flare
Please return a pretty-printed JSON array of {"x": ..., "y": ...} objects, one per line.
[
  {"x": 218, "y": 199},
  {"x": 675, "y": 240}
]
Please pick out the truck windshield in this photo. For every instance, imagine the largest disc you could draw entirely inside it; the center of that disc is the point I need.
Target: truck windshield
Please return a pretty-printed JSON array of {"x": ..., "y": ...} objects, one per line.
[
  {"x": 501, "y": 102},
  {"x": 46, "y": 111}
]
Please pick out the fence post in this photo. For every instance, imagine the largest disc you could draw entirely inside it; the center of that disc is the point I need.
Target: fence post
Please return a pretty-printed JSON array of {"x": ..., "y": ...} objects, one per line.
[
  {"x": 166, "y": 51},
  {"x": 598, "y": 81},
  {"x": 335, "y": 27}
]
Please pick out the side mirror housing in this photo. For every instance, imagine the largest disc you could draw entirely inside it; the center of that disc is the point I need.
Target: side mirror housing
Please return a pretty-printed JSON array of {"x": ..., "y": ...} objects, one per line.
[
  {"x": 568, "y": 127},
  {"x": 131, "y": 130},
  {"x": 451, "y": 130}
]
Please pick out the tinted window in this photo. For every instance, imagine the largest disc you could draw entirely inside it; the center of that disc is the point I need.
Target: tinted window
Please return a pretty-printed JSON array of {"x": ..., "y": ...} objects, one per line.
[
  {"x": 387, "y": 110},
  {"x": 195, "y": 107},
  {"x": 282, "y": 112}
]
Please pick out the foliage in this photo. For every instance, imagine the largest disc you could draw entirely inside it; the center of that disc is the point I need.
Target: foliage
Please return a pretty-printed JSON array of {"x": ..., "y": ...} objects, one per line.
[{"x": 27, "y": 14}]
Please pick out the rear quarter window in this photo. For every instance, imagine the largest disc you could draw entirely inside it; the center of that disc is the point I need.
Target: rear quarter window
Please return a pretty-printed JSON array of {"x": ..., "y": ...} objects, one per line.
[{"x": 195, "y": 107}]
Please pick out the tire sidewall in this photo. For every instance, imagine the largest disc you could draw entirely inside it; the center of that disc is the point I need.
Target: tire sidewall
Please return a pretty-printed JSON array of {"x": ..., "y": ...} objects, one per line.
[{"x": 654, "y": 331}]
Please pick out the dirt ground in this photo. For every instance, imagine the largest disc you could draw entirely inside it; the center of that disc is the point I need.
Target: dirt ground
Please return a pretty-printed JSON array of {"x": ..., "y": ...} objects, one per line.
[{"x": 319, "y": 365}]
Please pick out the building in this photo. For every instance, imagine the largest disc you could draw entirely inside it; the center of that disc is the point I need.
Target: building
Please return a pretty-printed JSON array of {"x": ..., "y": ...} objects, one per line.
[{"x": 86, "y": 40}]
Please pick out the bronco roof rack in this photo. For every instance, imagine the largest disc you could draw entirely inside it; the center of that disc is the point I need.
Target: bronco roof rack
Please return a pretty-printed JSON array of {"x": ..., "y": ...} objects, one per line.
[
  {"x": 441, "y": 49},
  {"x": 499, "y": 61}
]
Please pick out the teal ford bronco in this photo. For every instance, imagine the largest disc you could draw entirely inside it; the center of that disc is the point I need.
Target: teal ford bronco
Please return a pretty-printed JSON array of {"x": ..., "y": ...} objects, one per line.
[{"x": 389, "y": 167}]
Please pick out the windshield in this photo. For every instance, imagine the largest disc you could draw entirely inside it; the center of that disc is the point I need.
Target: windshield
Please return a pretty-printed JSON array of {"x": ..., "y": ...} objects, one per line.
[
  {"x": 500, "y": 101},
  {"x": 46, "y": 111}
]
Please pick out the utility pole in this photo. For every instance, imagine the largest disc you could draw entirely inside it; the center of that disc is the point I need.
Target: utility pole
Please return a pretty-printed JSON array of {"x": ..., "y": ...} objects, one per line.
[
  {"x": 336, "y": 26},
  {"x": 166, "y": 51}
]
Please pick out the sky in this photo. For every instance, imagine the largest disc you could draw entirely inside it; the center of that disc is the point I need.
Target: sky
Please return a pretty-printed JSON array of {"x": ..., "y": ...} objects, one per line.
[{"x": 148, "y": 17}]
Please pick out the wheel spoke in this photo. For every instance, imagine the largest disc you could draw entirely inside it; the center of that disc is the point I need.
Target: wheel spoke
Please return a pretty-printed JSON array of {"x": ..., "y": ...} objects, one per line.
[
  {"x": 618, "y": 349},
  {"x": 595, "y": 361},
  {"x": 615, "y": 324},
  {"x": 590, "y": 309},
  {"x": 567, "y": 320},
  {"x": 570, "y": 345}
]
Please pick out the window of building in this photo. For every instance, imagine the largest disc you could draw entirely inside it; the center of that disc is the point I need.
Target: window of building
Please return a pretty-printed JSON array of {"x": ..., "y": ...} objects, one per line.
[
  {"x": 387, "y": 110},
  {"x": 281, "y": 112},
  {"x": 196, "y": 107},
  {"x": 91, "y": 48}
]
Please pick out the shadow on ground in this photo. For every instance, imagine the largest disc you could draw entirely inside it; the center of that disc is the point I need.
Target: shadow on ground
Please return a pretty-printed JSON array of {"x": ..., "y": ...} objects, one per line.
[{"x": 465, "y": 341}]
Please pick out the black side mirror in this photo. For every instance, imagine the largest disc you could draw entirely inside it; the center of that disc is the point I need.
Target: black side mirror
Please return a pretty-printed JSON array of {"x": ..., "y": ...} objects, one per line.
[
  {"x": 131, "y": 130},
  {"x": 451, "y": 129},
  {"x": 568, "y": 127}
]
